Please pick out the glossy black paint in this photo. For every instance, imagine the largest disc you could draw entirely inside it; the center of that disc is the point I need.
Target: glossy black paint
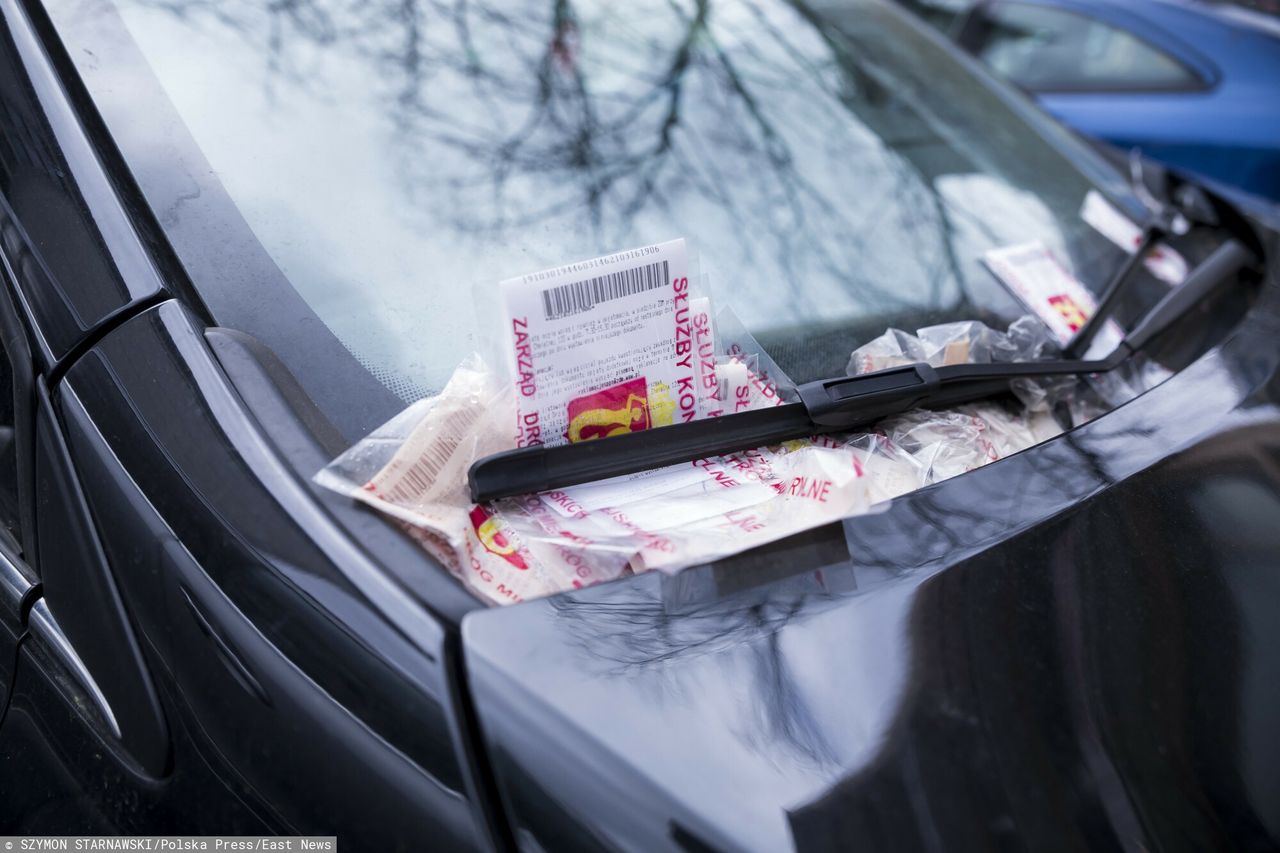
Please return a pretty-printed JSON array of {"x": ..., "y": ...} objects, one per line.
[
  {"x": 61, "y": 773},
  {"x": 18, "y": 583},
  {"x": 359, "y": 712},
  {"x": 1070, "y": 647},
  {"x": 202, "y": 643},
  {"x": 14, "y": 587},
  {"x": 65, "y": 244},
  {"x": 275, "y": 653},
  {"x": 272, "y": 666},
  {"x": 81, "y": 595}
]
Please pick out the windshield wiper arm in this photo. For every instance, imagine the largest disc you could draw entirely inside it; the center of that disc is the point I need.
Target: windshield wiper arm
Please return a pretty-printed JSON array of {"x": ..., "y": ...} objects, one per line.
[
  {"x": 830, "y": 405},
  {"x": 1177, "y": 215},
  {"x": 1152, "y": 236}
]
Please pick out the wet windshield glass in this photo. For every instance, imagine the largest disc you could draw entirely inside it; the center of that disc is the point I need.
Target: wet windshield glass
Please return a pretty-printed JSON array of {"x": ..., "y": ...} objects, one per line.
[{"x": 837, "y": 170}]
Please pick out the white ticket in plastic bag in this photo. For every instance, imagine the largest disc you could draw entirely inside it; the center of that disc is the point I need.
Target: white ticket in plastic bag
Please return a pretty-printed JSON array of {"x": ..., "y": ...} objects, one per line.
[
  {"x": 572, "y": 501},
  {"x": 603, "y": 346},
  {"x": 1046, "y": 287},
  {"x": 1162, "y": 261}
]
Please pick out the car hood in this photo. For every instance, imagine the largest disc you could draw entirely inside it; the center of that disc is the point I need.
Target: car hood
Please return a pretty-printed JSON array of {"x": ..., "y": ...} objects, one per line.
[{"x": 1073, "y": 645}]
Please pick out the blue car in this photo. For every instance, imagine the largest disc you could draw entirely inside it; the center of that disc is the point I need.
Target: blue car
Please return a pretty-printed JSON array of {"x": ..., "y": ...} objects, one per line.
[{"x": 1193, "y": 83}]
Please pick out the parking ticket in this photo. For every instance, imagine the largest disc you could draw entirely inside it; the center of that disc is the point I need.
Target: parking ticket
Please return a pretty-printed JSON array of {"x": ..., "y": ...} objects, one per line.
[
  {"x": 1164, "y": 262},
  {"x": 1044, "y": 285},
  {"x": 603, "y": 346}
]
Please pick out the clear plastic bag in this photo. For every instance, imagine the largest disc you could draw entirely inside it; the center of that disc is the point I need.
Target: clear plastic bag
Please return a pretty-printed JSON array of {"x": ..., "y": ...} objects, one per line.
[
  {"x": 703, "y": 510},
  {"x": 772, "y": 386},
  {"x": 414, "y": 467},
  {"x": 973, "y": 342},
  {"x": 892, "y": 349}
]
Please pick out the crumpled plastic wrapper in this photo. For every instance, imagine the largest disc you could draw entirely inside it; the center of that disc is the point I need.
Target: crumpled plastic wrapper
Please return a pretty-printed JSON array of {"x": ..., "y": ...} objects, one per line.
[
  {"x": 1074, "y": 399},
  {"x": 970, "y": 342},
  {"x": 414, "y": 469}
]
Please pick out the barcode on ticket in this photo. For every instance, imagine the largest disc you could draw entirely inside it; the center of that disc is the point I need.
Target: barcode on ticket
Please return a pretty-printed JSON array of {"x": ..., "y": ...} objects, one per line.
[
  {"x": 578, "y": 296},
  {"x": 415, "y": 470}
]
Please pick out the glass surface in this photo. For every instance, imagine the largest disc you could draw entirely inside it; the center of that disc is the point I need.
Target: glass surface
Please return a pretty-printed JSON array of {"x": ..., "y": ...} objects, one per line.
[
  {"x": 1042, "y": 48},
  {"x": 837, "y": 170}
]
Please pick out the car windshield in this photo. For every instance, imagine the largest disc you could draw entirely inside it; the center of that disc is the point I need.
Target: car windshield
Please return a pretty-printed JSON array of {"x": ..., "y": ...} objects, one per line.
[{"x": 837, "y": 170}]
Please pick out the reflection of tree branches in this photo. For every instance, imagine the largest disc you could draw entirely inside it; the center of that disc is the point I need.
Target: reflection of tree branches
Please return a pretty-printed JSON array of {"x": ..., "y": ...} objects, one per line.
[
  {"x": 521, "y": 95},
  {"x": 638, "y": 636},
  {"x": 642, "y": 633},
  {"x": 944, "y": 523},
  {"x": 785, "y": 717}
]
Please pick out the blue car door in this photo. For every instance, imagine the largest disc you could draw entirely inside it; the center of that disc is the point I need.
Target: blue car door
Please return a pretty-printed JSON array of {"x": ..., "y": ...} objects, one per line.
[{"x": 1132, "y": 78}]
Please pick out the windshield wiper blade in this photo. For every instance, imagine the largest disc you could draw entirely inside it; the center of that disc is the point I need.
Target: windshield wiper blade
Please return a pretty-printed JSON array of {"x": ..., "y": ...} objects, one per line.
[{"x": 830, "y": 405}]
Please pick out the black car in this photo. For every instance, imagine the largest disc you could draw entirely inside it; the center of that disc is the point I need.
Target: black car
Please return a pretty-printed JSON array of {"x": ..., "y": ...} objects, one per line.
[{"x": 236, "y": 238}]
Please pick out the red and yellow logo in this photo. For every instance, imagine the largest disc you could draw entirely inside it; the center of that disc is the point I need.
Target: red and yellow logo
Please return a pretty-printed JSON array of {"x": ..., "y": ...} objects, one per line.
[
  {"x": 621, "y": 408},
  {"x": 489, "y": 532},
  {"x": 1070, "y": 311}
]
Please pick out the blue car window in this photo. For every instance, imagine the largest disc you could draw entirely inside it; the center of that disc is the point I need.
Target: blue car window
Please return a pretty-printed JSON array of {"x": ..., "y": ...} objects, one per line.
[{"x": 1046, "y": 49}]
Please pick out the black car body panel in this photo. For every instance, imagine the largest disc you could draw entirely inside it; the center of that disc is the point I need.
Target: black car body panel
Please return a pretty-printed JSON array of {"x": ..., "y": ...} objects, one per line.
[
  {"x": 271, "y": 665},
  {"x": 188, "y": 631},
  {"x": 270, "y": 692},
  {"x": 15, "y": 587},
  {"x": 80, "y": 593},
  {"x": 1070, "y": 647},
  {"x": 72, "y": 260},
  {"x": 272, "y": 650}
]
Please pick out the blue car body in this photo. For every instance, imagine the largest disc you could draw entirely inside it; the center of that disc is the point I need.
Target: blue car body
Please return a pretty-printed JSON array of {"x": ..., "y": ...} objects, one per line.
[
  {"x": 1228, "y": 131},
  {"x": 1224, "y": 127}
]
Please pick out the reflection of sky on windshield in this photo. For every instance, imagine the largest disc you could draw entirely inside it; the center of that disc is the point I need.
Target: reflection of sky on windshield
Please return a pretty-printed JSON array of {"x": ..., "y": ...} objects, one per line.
[{"x": 390, "y": 178}]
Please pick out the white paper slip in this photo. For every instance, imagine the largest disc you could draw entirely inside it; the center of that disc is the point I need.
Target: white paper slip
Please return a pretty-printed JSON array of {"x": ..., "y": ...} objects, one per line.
[
  {"x": 1046, "y": 287},
  {"x": 693, "y": 503},
  {"x": 619, "y": 491},
  {"x": 602, "y": 347},
  {"x": 1162, "y": 261}
]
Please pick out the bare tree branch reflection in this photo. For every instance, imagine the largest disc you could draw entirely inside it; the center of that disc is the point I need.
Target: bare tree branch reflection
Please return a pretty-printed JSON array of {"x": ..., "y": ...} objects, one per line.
[
  {"x": 511, "y": 116},
  {"x": 639, "y": 636}
]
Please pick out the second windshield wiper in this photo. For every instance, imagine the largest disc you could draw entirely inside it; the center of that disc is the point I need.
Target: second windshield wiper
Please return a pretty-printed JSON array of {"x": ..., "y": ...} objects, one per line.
[{"x": 830, "y": 405}]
